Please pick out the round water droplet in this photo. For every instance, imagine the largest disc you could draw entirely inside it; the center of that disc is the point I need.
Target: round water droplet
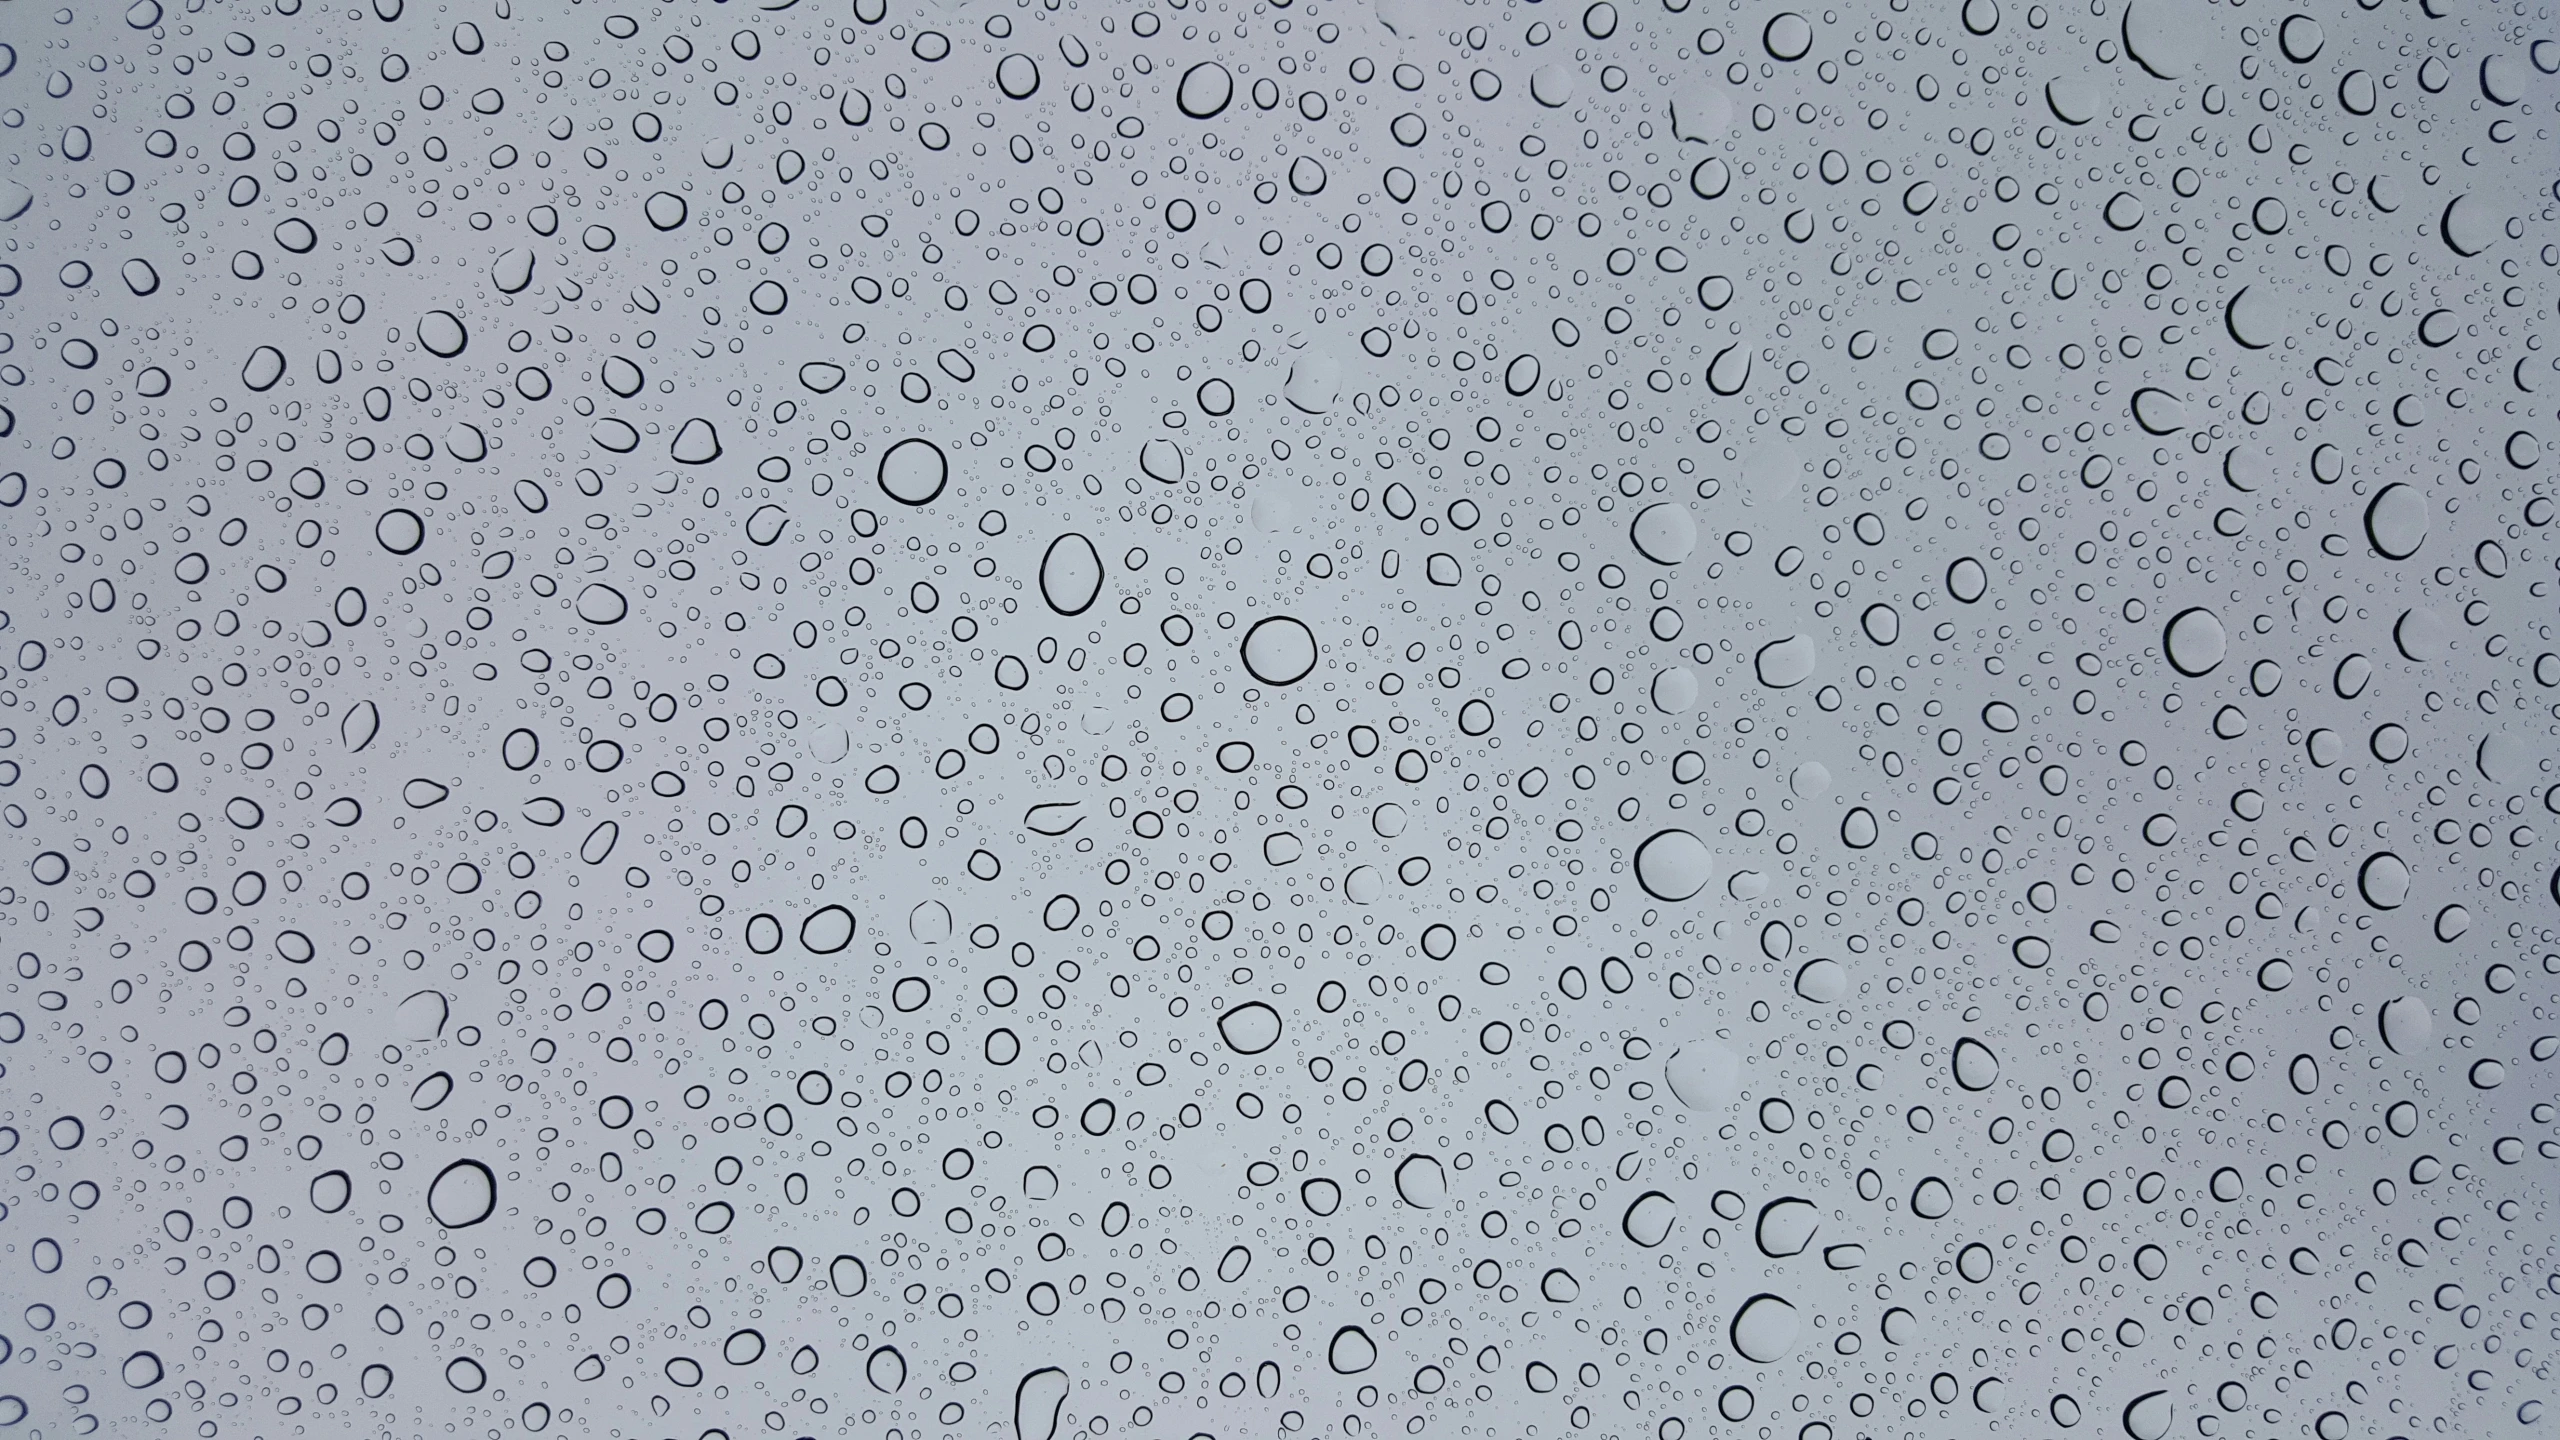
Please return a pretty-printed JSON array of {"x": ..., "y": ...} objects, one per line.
[
  {"x": 1765, "y": 1329},
  {"x": 2383, "y": 880},
  {"x": 2253, "y": 317},
  {"x": 1018, "y": 76},
  {"x": 1673, "y": 865},
  {"x": 400, "y": 531},
  {"x": 1204, "y": 90},
  {"x": 2166, "y": 38},
  {"x": 1422, "y": 1182},
  {"x": 1351, "y": 1351},
  {"x": 2420, "y": 633},
  {"x": 914, "y": 471},
  {"x": 1824, "y": 982},
  {"x": 2073, "y": 99},
  {"x": 1786, "y": 1227},
  {"x": 2195, "y": 641},
  {"x": 1675, "y": 690},
  {"x": 2159, "y": 412},
  {"x": 1783, "y": 664},
  {"x": 827, "y": 930},
  {"x": 1664, "y": 532},
  {"x": 441, "y": 334},
  {"x": 1648, "y": 1220},
  {"x": 1967, "y": 580},
  {"x": 1279, "y": 650},
  {"x": 1788, "y": 36},
  {"x": 2396, "y": 521},
  {"x": 264, "y": 368},
  {"x": 1705, "y": 1074},
  {"x": 463, "y": 1193},
  {"x": 2407, "y": 1024},
  {"x": 2149, "y": 1416},
  {"x": 2471, "y": 224}
]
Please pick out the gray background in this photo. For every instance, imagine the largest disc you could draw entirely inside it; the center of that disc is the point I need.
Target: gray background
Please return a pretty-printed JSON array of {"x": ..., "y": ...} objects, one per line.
[{"x": 1893, "y": 774}]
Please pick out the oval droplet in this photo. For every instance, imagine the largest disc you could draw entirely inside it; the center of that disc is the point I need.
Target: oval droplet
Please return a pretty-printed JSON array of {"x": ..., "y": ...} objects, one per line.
[{"x": 1071, "y": 574}]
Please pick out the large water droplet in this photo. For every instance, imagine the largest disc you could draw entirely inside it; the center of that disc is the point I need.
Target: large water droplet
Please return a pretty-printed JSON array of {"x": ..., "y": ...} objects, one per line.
[
  {"x": 1070, "y": 574},
  {"x": 1976, "y": 1068},
  {"x": 1786, "y": 1227},
  {"x": 696, "y": 443},
  {"x": 2383, "y": 880},
  {"x": 2149, "y": 1416},
  {"x": 1250, "y": 1028},
  {"x": 440, "y": 332},
  {"x": 2195, "y": 641},
  {"x": 602, "y": 605},
  {"x": 1422, "y": 1182},
  {"x": 1674, "y": 865},
  {"x": 463, "y": 1193},
  {"x": 1705, "y": 1074},
  {"x": 1279, "y": 650},
  {"x": 2407, "y": 1024},
  {"x": 2396, "y": 521},
  {"x": 1036, "y": 1402},
  {"x": 1782, "y": 664},
  {"x": 1649, "y": 1219},
  {"x": 421, "y": 1017},
  {"x": 913, "y": 471},
  {"x": 1204, "y": 90},
  {"x": 1765, "y": 1329},
  {"x": 400, "y": 530},
  {"x": 1665, "y": 533}
]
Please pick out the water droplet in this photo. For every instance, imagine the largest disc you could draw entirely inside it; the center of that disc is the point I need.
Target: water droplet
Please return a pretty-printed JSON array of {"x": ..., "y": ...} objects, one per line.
[
  {"x": 1784, "y": 664},
  {"x": 1673, "y": 865},
  {"x": 1648, "y": 1220},
  {"x": 1976, "y": 1068},
  {"x": 2407, "y": 1024},
  {"x": 1422, "y": 1182},
  {"x": 464, "y": 1193},
  {"x": 1279, "y": 650},
  {"x": 1250, "y": 1028},
  {"x": 1765, "y": 1328},
  {"x": 1786, "y": 1227},
  {"x": 1071, "y": 574}
]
